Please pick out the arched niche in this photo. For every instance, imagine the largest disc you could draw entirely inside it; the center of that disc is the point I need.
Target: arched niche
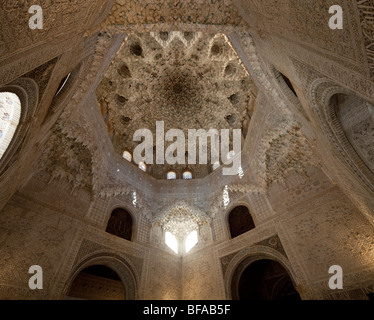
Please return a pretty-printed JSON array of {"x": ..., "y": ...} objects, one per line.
[
  {"x": 247, "y": 256},
  {"x": 265, "y": 279},
  {"x": 333, "y": 104},
  {"x": 97, "y": 282},
  {"x": 240, "y": 221},
  {"x": 120, "y": 224},
  {"x": 356, "y": 118},
  {"x": 118, "y": 264}
]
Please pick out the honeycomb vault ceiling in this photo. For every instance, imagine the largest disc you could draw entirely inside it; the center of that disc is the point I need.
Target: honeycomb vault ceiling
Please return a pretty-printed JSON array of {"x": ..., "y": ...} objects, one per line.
[{"x": 188, "y": 80}]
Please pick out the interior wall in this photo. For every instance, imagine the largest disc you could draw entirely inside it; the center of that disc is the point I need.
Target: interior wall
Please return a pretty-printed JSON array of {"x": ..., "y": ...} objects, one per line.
[{"x": 310, "y": 209}]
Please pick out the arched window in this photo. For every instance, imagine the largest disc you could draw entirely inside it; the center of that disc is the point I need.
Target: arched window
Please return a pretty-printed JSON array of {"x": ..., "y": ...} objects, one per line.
[
  {"x": 187, "y": 175},
  {"x": 142, "y": 166},
  {"x": 240, "y": 221},
  {"x": 10, "y": 113},
  {"x": 191, "y": 241},
  {"x": 120, "y": 224},
  {"x": 127, "y": 155},
  {"x": 171, "y": 175},
  {"x": 171, "y": 241}
]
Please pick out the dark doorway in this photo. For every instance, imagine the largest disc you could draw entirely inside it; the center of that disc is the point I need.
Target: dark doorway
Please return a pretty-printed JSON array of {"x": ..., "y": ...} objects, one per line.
[
  {"x": 97, "y": 282},
  {"x": 120, "y": 224},
  {"x": 240, "y": 221},
  {"x": 266, "y": 280}
]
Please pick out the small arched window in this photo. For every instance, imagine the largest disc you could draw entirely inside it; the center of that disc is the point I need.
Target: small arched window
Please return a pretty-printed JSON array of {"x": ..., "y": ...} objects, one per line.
[
  {"x": 191, "y": 241},
  {"x": 240, "y": 221},
  {"x": 10, "y": 113},
  {"x": 142, "y": 166},
  {"x": 171, "y": 175},
  {"x": 187, "y": 175},
  {"x": 171, "y": 241},
  {"x": 127, "y": 155},
  {"x": 120, "y": 224}
]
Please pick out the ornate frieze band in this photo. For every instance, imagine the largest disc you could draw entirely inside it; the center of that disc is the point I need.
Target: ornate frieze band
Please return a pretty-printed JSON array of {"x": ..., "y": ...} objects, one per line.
[{"x": 366, "y": 10}]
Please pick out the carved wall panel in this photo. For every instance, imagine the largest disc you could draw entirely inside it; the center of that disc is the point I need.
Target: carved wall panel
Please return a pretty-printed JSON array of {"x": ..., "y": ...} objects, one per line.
[
  {"x": 26, "y": 228},
  {"x": 199, "y": 277},
  {"x": 330, "y": 230}
]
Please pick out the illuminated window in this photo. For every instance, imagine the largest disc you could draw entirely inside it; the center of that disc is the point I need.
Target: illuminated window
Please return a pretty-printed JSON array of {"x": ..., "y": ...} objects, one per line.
[
  {"x": 142, "y": 166},
  {"x": 171, "y": 241},
  {"x": 10, "y": 113},
  {"x": 127, "y": 155},
  {"x": 216, "y": 165},
  {"x": 191, "y": 241},
  {"x": 171, "y": 175},
  {"x": 187, "y": 175}
]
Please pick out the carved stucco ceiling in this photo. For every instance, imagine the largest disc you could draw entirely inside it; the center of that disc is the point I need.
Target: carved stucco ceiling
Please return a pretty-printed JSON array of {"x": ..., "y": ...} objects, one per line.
[{"x": 188, "y": 80}]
